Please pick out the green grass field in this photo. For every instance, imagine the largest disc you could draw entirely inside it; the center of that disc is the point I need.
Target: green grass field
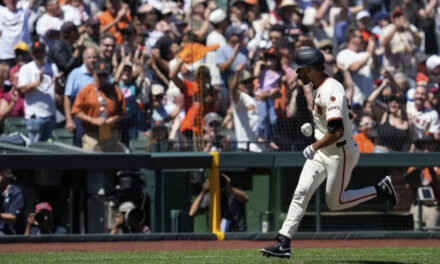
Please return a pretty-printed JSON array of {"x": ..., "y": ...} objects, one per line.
[{"x": 362, "y": 256}]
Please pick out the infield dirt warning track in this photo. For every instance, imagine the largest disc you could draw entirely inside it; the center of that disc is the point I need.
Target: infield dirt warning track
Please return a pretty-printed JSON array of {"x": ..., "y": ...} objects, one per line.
[{"x": 207, "y": 245}]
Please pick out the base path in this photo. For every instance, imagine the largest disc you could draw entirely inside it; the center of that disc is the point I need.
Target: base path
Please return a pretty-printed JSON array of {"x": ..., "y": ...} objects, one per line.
[{"x": 205, "y": 245}]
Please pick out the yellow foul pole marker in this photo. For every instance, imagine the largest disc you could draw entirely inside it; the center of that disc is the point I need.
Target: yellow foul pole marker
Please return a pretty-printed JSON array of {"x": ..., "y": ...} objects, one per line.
[{"x": 214, "y": 195}]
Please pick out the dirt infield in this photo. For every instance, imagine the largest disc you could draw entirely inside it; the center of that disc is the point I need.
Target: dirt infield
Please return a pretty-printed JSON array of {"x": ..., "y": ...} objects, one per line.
[{"x": 204, "y": 245}]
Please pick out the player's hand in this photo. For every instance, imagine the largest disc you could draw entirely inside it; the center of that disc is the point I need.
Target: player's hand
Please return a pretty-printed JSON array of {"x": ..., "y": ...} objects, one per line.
[
  {"x": 307, "y": 129},
  {"x": 309, "y": 152}
]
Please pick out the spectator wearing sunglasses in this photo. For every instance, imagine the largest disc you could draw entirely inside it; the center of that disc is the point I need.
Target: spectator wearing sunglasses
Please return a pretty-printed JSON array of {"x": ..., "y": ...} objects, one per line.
[
  {"x": 213, "y": 140},
  {"x": 393, "y": 130}
]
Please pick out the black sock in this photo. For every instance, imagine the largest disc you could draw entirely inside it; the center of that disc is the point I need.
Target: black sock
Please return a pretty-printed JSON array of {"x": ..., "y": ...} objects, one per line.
[{"x": 376, "y": 186}]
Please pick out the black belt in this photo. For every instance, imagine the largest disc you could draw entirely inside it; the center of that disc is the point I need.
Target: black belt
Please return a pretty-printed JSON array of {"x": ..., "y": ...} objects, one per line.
[{"x": 341, "y": 143}]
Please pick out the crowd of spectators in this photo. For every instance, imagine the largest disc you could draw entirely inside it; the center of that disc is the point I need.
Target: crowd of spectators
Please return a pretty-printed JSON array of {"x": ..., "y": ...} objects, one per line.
[{"x": 199, "y": 75}]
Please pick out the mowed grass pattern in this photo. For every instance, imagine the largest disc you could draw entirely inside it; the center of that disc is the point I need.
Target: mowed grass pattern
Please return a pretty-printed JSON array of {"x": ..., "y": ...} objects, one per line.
[{"x": 351, "y": 256}]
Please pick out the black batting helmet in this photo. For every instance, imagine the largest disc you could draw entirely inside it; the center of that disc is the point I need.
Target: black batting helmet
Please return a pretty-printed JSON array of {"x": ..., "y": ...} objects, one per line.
[{"x": 309, "y": 57}]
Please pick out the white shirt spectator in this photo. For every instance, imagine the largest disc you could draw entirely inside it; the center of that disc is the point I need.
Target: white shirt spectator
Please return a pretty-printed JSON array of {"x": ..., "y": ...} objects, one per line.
[
  {"x": 363, "y": 79},
  {"x": 46, "y": 23},
  {"x": 214, "y": 38},
  {"x": 41, "y": 101},
  {"x": 422, "y": 121},
  {"x": 246, "y": 123},
  {"x": 397, "y": 58},
  {"x": 77, "y": 15},
  {"x": 14, "y": 28}
]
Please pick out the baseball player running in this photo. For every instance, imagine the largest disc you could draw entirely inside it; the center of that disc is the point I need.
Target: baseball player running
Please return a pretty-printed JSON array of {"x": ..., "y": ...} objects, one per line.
[{"x": 332, "y": 156}]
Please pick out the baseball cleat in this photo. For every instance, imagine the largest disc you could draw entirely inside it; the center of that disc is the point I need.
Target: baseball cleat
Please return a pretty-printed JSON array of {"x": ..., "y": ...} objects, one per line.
[
  {"x": 386, "y": 189},
  {"x": 281, "y": 249}
]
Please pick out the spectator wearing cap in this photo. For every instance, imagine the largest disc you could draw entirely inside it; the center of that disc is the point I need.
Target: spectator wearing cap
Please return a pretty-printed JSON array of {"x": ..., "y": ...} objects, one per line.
[
  {"x": 41, "y": 222},
  {"x": 424, "y": 121},
  {"x": 163, "y": 113},
  {"x": 245, "y": 113},
  {"x": 381, "y": 20},
  {"x": 100, "y": 106},
  {"x": 77, "y": 79},
  {"x": 434, "y": 97},
  {"x": 11, "y": 205},
  {"x": 359, "y": 63},
  {"x": 212, "y": 138},
  {"x": 229, "y": 56},
  {"x": 219, "y": 21},
  {"x": 74, "y": 11},
  {"x": 115, "y": 18},
  {"x": 199, "y": 18},
  {"x": 38, "y": 81},
  {"x": 363, "y": 23},
  {"x": 21, "y": 57},
  {"x": 66, "y": 51},
  {"x": 49, "y": 24},
  {"x": 291, "y": 18},
  {"x": 326, "y": 47},
  {"x": 400, "y": 40},
  {"x": 14, "y": 25},
  {"x": 433, "y": 68}
]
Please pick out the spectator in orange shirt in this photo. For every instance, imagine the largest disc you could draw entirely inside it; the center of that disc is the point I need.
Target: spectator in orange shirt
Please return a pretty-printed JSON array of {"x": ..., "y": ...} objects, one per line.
[
  {"x": 100, "y": 107},
  {"x": 115, "y": 18},
  {"x": 363, "y": 138}
]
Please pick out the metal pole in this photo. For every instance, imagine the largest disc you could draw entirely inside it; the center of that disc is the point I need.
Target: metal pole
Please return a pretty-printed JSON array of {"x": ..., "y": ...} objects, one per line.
[
  {"x": 318, "y": 208},
  {"x": 419, "y": 204}
]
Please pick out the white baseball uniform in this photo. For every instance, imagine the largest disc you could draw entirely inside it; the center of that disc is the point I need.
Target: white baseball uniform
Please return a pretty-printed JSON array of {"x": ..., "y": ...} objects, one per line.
[{"x": 332, "y": 162}]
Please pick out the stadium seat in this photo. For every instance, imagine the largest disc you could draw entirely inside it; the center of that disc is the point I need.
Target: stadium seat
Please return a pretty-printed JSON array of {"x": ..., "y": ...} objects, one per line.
[
  {"x": 62, "y": 135},
  {"x": 14, "y": 124},
  {"x": 138, "y": 145}
]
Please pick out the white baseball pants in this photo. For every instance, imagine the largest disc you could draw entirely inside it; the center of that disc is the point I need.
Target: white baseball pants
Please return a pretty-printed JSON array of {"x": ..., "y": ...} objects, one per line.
[{"x": 335, "y": 164}]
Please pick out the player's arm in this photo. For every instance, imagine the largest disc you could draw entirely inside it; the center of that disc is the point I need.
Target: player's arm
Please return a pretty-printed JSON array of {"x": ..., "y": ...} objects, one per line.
[{"x": 334, "y": 133}]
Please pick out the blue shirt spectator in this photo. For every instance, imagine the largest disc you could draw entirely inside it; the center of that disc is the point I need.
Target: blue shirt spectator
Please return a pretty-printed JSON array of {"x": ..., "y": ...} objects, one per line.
[
  {"x": 229, "y": 56},
  {"x": 77, "y": 79}
]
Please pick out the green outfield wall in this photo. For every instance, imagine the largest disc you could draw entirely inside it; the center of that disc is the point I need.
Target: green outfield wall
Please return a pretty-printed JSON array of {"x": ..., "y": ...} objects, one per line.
[{"x": 269, "y": 179}]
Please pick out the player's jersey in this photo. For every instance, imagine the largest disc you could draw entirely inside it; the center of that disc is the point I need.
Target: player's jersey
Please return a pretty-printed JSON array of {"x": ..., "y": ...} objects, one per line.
[{"x": 329, "y": 103}]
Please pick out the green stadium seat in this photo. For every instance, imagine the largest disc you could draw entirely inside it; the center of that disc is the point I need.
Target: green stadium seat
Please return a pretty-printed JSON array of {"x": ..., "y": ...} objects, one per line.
[
  {"x": 138, "y": 145},
  {"x": 15, "y": 124},
  {"x": 62, "y": 135}
]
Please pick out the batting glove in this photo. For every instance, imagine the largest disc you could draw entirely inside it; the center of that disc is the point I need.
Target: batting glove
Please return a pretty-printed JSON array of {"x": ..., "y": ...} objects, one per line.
[
  {"x": 307, "y": 129},
  {"x": 309, "y": 152}
]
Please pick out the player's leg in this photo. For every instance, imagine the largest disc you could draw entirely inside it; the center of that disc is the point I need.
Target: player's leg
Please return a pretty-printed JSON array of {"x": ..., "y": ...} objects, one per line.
[
  {"x": 312, "y": 175},
  {"x": 339, "y": 171}
]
